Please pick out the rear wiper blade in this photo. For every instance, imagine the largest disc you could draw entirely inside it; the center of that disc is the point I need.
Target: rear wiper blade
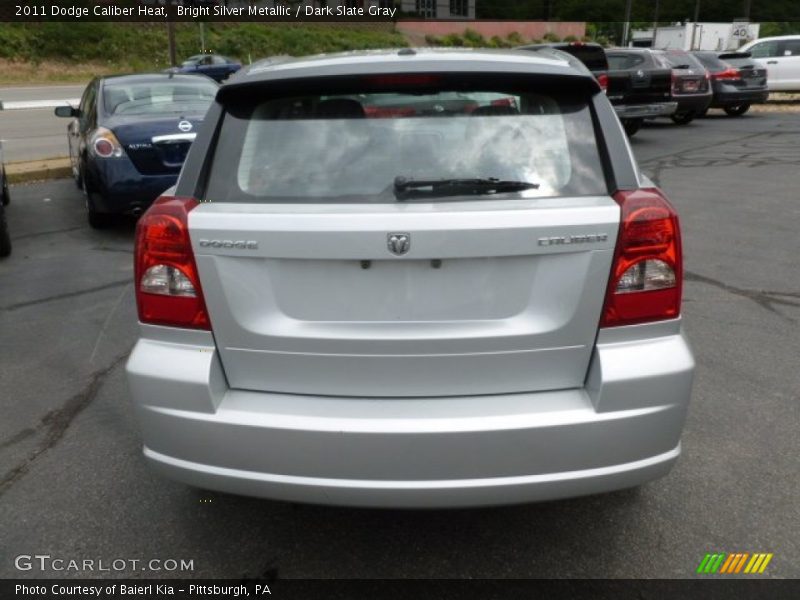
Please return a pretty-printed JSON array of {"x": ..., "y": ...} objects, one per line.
[{"x": 406, "y": 187}]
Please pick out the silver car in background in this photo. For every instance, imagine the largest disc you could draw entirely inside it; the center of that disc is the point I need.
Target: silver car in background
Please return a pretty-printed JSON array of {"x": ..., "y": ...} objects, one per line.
[{"x": 411, "y": 279}]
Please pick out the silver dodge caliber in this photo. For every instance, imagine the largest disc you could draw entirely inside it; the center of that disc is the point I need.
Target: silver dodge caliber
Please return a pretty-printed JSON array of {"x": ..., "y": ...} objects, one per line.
[{"x": 411, "y": 279}]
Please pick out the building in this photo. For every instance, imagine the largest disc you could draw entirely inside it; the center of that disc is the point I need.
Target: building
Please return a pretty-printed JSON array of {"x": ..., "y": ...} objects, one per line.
[{"x": 440, "y": 9}]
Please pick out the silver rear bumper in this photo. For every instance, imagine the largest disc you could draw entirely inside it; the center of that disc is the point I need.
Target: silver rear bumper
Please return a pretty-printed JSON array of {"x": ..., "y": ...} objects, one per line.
[
  {"x": 645, "y": 111},
  {"x": 622, "y": 429}
]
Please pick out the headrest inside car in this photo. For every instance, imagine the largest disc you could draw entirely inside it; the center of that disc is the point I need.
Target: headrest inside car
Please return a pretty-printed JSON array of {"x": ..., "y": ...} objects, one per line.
[{"x": 339, "y": 108}]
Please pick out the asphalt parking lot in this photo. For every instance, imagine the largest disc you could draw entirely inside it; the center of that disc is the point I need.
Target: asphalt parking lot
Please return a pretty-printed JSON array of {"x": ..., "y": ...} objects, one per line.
[{"x": 74, "y": 485}]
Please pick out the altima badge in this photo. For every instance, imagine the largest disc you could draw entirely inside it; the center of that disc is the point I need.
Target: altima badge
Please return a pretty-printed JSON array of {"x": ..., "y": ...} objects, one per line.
[
  {"x": 185, "y": 126},
  {"x": 398, "y": 243}
]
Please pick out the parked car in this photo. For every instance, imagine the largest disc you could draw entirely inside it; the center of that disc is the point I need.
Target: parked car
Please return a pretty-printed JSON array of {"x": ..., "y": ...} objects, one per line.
[
  {"x": 5, "y": 199},
  {"x": 635, "y": 95},
  {"x": 411, "y": 310},
  {"x": 129, "y": 137},
  {"x": 215, "y": 66},
  {"x": 691, "y": 88},
  {"x": 592, "y": 55},
  {"x": 780, "y": 56},
  {"x": 639, "y": 86},
  {"x": 736, "y": 80}
]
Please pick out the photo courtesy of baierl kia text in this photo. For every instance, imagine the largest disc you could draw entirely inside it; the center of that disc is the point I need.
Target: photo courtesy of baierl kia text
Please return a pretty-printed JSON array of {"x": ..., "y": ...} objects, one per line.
[{"x": 399, "y": 298}]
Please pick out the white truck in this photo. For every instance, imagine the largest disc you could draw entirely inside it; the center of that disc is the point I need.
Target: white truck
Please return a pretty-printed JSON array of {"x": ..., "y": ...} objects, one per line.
[{"x": 697, "y": 36}]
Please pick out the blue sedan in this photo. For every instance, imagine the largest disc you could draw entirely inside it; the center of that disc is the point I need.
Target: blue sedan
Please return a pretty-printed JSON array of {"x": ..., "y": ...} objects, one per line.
[
  {"x": 215, "y": 66},
  {"x": 129, "y": 137}
]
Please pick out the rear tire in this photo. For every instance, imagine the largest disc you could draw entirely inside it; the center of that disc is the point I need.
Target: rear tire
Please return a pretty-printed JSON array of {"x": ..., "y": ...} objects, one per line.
[
  {"x": 97, "y": 220},
  {"x": 683, "y": 118},
  {"x": 78, "y": 178},
  {"x": 737, "y": 110},
  {"x": 632, "y": 126},
  {"x": 5, "y": 239}
]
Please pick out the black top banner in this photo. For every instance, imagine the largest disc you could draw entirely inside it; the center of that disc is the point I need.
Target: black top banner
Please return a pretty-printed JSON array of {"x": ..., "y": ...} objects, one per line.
[{"x": 389, "y": 10}]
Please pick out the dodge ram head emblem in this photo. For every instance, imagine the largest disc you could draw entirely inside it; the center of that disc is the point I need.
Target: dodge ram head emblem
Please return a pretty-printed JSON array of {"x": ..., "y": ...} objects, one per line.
[{"x": 398, "y": 243}]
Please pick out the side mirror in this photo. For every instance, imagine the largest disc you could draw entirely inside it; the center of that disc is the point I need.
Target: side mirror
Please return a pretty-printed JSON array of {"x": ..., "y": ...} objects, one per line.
[{"x": 67, "y": 112}]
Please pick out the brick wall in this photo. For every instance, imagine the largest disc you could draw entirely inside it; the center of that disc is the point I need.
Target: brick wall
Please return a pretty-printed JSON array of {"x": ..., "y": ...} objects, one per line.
[{"x": 528, "y": 30}]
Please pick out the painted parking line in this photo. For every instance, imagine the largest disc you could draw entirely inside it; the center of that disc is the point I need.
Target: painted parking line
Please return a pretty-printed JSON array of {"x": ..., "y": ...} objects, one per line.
[{"x": 36, "y": 104}]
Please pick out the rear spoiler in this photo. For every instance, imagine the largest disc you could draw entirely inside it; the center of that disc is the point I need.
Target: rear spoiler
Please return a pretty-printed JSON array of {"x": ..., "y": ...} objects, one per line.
[{"x": 724, "y": 55}]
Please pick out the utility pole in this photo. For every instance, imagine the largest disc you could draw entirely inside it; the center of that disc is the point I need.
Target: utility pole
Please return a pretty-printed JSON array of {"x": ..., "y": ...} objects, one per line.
[
  {"x": 171, "y": 41},
  {"x": 694, "y": 23},
  {"x": 626, "y": 27},
  {"x": 655, "y": 25},
  {"x": 747, "y": 9}
]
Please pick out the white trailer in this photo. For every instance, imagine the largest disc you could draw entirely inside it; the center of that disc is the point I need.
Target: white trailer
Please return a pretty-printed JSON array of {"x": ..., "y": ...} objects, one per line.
[{"x": 697, "y": 36}]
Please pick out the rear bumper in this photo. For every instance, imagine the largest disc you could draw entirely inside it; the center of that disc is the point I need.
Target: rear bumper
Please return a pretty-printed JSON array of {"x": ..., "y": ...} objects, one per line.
[
  {"x": 694, "y": 103},
  {"x": 734, "y": 97},
  {"x": 122, "y": 189},
  {"x": 645, "y": 111},
  {"x": 622, "y": 429}
]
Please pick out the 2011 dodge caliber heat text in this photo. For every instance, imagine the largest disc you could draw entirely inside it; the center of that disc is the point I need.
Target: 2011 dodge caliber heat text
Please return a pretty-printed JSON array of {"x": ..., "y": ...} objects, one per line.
[{"x": 411, "y": 279}]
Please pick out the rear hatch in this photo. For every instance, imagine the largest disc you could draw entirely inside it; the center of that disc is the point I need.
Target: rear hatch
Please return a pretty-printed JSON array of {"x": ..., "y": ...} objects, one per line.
[
  {"x": 753, "y": 75},
  {"x": 326, "y": 272},
  {"x": 633, "y": 78}
]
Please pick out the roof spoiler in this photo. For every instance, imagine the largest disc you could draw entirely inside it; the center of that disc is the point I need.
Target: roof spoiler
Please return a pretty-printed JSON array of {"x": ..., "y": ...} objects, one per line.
[{"x": 724, "y": 55}]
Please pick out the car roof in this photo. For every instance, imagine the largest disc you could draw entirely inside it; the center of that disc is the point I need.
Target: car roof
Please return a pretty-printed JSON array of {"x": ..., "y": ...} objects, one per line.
[
  {"x": 632, "y": 50},
  {"x": 153, "y": 78},
  {"x": 367, "y": 62},
  {"x": 776, "y": 38},
  {"x": 559, "y": 45}
]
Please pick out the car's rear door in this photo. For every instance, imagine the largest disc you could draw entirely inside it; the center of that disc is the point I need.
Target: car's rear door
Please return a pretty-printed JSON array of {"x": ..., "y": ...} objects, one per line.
[{"x": 318, "y": 280}]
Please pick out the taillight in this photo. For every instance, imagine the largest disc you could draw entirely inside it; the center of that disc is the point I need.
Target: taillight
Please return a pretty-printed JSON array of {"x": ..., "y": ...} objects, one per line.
[
  {"x": 675, "y": 83},
  {"x": 647, "y": 272},
  {"x": 167, "y": 283},
  {"x": 730, "y": 74},
  {"x": 602, "y": 79},
  {"x": 104, "y": 144}
]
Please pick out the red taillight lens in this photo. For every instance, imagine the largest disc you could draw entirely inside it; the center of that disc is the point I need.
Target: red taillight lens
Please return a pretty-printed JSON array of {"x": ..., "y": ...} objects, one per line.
[
  {"x": 602, "y": 79},
  {"x": 647, "y": 272},
  {"x": 730, "y": 74},
  {"x": 379, "y": 112},
  {"x": 403, "y": 79},
  {"x": 167, "y": 283}
]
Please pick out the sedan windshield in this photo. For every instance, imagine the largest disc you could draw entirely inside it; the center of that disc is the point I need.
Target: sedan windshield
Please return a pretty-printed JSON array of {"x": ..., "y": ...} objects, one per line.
[{"x": 149, "y": 98}]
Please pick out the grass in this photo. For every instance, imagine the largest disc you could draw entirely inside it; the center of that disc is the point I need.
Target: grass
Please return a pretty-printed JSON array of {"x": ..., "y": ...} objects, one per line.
[{"x": 75, "y": 52}]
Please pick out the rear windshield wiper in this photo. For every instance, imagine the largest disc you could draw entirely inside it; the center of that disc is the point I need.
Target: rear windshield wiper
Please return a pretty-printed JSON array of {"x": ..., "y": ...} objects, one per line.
[{"x": 406, "y": 187}]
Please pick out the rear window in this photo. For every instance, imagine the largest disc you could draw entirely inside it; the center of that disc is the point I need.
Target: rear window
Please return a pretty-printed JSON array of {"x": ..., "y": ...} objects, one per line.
[
  {"x": 711, "y": 61},
  {"x": 680, "y": 59},
  {"x": 353, "y": 147},
  {"x": 152, "y": 98},
  {"x": 594, "y": 57},
  {"x": 739, "y": 62},
  {"x": 628, "y": 60}
]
